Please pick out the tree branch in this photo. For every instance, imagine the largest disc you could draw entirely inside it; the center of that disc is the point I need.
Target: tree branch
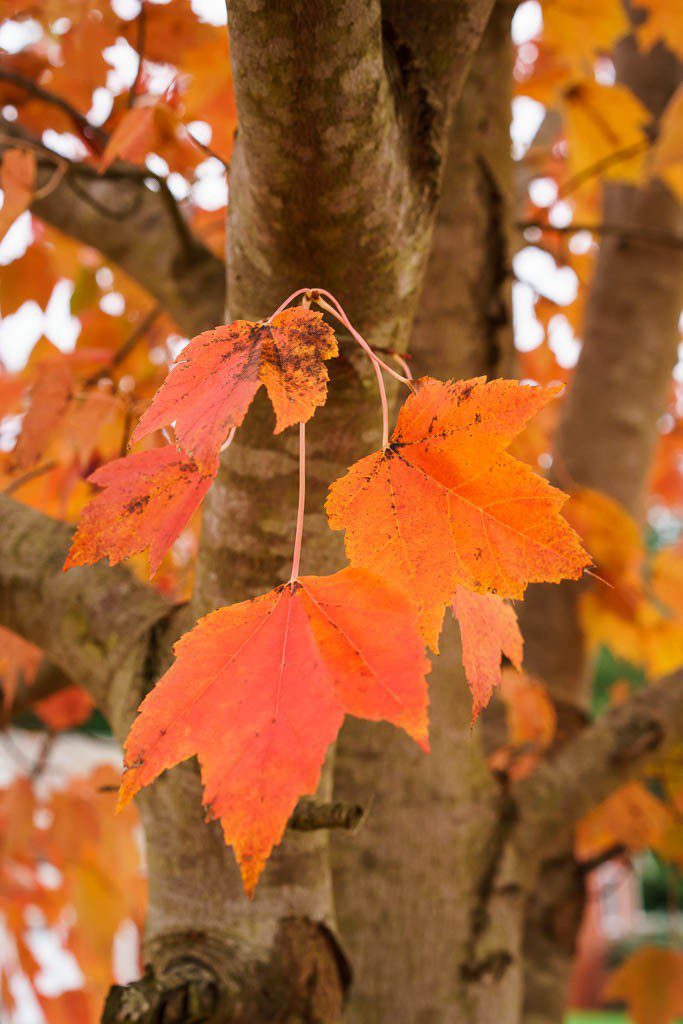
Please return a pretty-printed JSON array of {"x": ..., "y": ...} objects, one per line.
[
  {"x": 90, "y": 132},
  {"x": 595, "y": 763},
  {"x": 141, "y": 230},
  {"x": 86, "y": 620},
  {"x": 619, "y": 231}
]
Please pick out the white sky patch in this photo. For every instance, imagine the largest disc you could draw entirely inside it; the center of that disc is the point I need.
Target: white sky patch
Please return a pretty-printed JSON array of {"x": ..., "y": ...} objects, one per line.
[
  {"x": 528, "y": 331},
  {"x": 102, "y": 102},
  {"x": 59, "y": 326},
  {"x": 201, "y": 131},
  {"x": 539, "y": 270},
  {"x": 178, "y": 185},
  {"x": 581, "y": 242},
  {"x": 124, "y": 61},
  {"x": 64, "y": 143},
  {"x": 15, "y": 35},
  {"x": 126, "y": 9},
  {"x": 213, "y": 11},
  {"x": 156, "y": 164},
  {"x": 527, "y": 22},
  {"x": 563, "y": 342},
  {"x": 561, "y": 214},
  {"x": 18, "y": 334},
  {"x": 210, "y": 189},
  {"x": 527, "y": 115},
  {"x": 17, "y": 240},
  {"x": 543, "y": 191},
  {"x": 113, "y": 303}
]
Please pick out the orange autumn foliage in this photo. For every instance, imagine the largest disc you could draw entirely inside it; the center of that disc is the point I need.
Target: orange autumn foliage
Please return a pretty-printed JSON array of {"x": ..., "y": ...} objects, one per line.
[
  {"x": 445, "y": 505},
  {"x": 259, "y": 690}
]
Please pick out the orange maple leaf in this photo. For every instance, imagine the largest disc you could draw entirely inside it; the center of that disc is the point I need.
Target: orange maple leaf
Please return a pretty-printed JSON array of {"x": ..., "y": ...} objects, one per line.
[
  {"x": 531, "y": 722},
  {"x": 212, "y": 385},
  {"x": 632, "y": 816},
  {"x": 148, "y": 498},
  {"x": 488, "y": 630},
  {"x": 444, "y": 504},
  {"x": 19, "y": 661},
  {"x": 66, "y": 709},
  {"x": 651, "y": 983},
  {"x": 17, "y": 180},
  {"x": 259, "y": 690},
  {"x": 49, "y": 398}
]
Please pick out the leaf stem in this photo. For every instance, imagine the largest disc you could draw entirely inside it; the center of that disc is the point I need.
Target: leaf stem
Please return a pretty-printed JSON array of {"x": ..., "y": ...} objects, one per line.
[
  {"x": 290, "y": 298},
  {"x": 373, "y": 359},
  {"x": 302, "y": 502},
  {"x": 343, "y": 318}
]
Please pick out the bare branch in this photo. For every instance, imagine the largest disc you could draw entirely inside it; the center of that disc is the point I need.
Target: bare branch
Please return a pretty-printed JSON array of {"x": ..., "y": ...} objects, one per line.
[
  {"x": 595, "y": 763},
  {"x": 140, "y": 229},
  {"x": 86, "y": 620},
  {"x": 310, "y": 815},
  {"x": 622, "y": 231}
]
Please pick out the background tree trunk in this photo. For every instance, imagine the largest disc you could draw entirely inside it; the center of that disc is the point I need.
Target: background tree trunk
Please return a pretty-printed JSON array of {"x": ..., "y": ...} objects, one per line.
[{"x": 606, "y": 441}]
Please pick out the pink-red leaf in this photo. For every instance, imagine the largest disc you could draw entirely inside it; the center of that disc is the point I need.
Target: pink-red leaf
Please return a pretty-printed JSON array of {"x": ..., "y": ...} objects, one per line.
[
  {"x": 148, "y": 498},
  {"x": 259, "y": 690},
  {"x": 210, "y": 388}
]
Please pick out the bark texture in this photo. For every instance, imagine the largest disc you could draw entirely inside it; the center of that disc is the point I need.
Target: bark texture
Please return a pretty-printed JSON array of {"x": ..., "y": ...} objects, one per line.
[
  {"x": 410, "y": 884},
  {"x": 606, "y": 441}
]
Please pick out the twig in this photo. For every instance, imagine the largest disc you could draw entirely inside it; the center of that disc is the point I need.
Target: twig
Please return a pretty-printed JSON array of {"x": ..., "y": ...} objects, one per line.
[
  {"x": 310, "y": 816},
  {"x": 119, "y": 171},
  {"x": 593, "y": 170},
  {"x": 90, "y": 132},
  {"x": 27, "y": 477},
  {"x": 616, "y": 230},
  {"x": 124, "y": 350}
]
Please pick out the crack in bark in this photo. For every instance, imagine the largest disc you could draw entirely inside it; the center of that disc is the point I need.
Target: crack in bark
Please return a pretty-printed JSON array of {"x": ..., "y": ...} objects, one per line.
[{"x": 496, "y": 309}]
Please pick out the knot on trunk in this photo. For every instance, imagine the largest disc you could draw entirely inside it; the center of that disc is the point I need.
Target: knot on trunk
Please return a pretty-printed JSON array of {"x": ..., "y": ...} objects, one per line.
[{"x": 184, "y": 993}]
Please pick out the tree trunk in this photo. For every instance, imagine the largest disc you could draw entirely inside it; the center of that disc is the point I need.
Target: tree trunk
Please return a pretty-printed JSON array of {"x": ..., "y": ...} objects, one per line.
[
  {"x": 606, "y": 441},
  {"x": 411, "y": 885},
  {"x": 330, "y": 186}
]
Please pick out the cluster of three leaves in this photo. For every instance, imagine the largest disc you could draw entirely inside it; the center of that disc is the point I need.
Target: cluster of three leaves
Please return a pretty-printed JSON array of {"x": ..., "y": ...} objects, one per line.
[{"x": 442, "y": 510}]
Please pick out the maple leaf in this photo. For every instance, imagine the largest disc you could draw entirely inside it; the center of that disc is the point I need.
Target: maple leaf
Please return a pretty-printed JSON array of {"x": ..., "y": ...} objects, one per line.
[
  {"x": 66, "y": 709},
  {"x": 49, "y": 397},
  {"x": 19, "y": 661},
  {"x": 630, "y": 817},
  {"x": 651, "y": 983},
  {"x": 86, "y": 417},
  {"x": 212, "y": 384},
  {"x": 17, "y": 180},
  {"x": 444, "y": 504},
  {"x": 488, "y": 630},
  {"x": 28, "y": 278},
  {"x": 148, "y": 498},
  {"x": 667, "y": 154},
  {"x": 151, "y": 128},
  {"x": 580, "y": 28},
  {"x": 605, "y": 129},
  {"x": 259, "y": 690},
  {"x": 663, "y": 22},
  {"x": 531, "y": 721}
]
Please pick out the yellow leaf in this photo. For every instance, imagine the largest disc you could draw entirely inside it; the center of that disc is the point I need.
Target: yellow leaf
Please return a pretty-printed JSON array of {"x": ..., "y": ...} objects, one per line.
[
  {"x": 667, "y": 155},
  {"x": 605, "y": 135}
]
